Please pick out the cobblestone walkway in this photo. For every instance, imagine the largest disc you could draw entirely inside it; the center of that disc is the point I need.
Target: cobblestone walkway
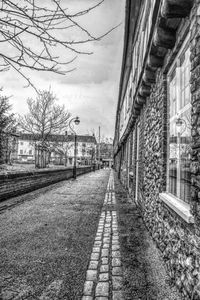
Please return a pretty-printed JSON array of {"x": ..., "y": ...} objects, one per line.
[{"x": 104, "y": 274}]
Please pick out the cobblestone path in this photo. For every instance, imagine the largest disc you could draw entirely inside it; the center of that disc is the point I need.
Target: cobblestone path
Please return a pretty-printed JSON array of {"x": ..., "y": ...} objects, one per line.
[{"x": 104, "y": 274}]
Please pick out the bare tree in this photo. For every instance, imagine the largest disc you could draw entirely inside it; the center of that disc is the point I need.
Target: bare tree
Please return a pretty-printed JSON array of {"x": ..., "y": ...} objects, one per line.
[
  {"x": 62, "y": 149},
  {"x": 44, "y": 119},
  {"x": 32, "y": 31},
  {"x": 7, "y": 128}
]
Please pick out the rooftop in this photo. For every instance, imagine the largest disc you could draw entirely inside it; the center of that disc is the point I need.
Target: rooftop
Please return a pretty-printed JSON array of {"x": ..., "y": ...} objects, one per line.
[{"x": 59, "y": 138}]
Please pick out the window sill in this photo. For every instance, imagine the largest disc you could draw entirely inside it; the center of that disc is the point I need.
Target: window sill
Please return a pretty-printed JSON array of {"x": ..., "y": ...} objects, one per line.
[{"x": 180, "y": 207}]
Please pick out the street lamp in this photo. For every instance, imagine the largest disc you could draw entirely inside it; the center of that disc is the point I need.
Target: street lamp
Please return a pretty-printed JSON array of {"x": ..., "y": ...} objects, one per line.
[{"x": 76, "y": 121}]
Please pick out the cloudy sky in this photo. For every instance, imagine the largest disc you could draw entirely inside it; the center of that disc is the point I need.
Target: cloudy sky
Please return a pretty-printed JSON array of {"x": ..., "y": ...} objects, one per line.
[{"x": 91, "y": 91}]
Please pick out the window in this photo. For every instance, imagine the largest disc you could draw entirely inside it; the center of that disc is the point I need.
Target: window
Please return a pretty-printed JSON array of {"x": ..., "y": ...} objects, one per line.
[
  {"x": 21, "y": 143},
  {"x": 30, "y": 152},
  {"x": 179, "y": 177},
  {"x": 21, "y": 151}
]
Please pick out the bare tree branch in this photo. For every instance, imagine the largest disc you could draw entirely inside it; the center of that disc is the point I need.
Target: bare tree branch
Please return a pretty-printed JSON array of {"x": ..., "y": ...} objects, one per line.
[{"x": 32, "y": 32}]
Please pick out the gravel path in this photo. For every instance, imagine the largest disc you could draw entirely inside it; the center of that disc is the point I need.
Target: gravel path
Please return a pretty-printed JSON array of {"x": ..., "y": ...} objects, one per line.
[{"x": 46, "y": 242}]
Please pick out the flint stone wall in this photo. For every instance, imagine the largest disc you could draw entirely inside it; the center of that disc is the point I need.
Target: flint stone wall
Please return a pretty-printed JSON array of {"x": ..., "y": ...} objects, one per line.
[
  {"x": 178, "y": 241},
  {"x": 15, "y": 184}
]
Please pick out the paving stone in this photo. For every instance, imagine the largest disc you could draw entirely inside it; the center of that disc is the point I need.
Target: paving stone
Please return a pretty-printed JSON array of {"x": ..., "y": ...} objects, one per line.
[
  {"x": 107, "y": 225},
  {"x": 102, "y": 289},
  {"x": 118, "y": 295},
  {"x": 103, "y": 277},
  {"x": 116, "y": 271},
  {"x": 107, "y": 237},
  {"x": 116, "y": 262},
  {"x": 114, "y": 231},
  {"x": 100, "y": 229},
  {"x": 116, "y": 235},
  {"x": 88, "y": 285},
  {"x": 96, "y": 249},
  {"x": 115, "y": 242},
  {"x": 91, "y": 275},
  {"x": 116, "y": 253},
  {"x": 97, "y": 244},
  {"x": 99, "y": 235},
  {"x": 106, "y": 234},
  {"x": 104, "y": 268},
  {"x": 104, "y": 252},
  {"x": 93, "y": 265},
  {"x": 117, "y": 282},
  {"x": 87, "y": 298},
  {"x": 115, "y": 247},
  {"x": 104, "y": 261},
  {"x": 107, "y": 230},
  {"x": 95, "y": 256},
  {"x": 106, "y": 245},
  {"x": 106, "y": 240}
]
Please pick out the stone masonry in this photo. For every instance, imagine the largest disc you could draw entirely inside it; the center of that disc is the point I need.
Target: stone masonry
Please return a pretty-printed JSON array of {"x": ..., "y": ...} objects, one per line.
[{"x": 104, "y": 275}]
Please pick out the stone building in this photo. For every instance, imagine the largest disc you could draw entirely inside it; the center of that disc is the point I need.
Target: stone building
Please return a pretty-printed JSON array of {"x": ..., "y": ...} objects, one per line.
[
  {"x": 157, "y": 132},
  {"x": 61, "y": 148}
]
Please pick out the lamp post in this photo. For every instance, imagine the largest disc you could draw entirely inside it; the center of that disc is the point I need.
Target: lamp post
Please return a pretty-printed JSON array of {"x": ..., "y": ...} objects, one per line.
[{"x": 76, "y": 121}]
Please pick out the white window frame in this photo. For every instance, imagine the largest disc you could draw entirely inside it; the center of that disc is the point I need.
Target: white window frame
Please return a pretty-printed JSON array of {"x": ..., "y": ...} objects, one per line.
[{"x": 176, "y": 204}]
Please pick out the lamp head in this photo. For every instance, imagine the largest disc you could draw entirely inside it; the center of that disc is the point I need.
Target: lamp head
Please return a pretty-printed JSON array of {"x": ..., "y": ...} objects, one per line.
[
  {"x": 179, "y": 124},
  {"x": 77, "y": 120}
]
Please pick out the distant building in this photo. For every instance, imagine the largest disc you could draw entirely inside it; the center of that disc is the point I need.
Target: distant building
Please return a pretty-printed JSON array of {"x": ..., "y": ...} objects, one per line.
[
  {"x": 60, "y": 147},
  {"x": 106, "y": 154}
]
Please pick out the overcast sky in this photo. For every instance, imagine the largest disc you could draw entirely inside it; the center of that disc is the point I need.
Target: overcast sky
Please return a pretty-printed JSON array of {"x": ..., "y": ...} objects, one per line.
[{"x": 91, "y": 91}]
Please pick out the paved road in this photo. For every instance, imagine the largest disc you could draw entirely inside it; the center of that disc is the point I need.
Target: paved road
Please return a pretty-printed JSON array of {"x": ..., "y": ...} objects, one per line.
[{"x": 46, "y": 242}]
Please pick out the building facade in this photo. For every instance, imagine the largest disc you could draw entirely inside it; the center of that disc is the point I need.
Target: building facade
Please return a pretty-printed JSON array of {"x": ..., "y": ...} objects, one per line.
[
  {"x": 60, "y": 148},
  {"x": 106, "y": 154},
  {"x": 157, "y": 132}
]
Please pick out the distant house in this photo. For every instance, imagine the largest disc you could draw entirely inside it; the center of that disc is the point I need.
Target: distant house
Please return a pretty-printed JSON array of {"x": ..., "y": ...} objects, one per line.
[
  {"x": 60, "y": 147},
  {"x": 106, "y": 154}
]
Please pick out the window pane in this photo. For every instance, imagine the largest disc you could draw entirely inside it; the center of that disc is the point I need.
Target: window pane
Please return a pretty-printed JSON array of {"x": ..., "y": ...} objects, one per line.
[
  {"x": 179, "y": 177},
  {"x": 173, "y": 159},
  {"x": 185, "y": 156}
]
